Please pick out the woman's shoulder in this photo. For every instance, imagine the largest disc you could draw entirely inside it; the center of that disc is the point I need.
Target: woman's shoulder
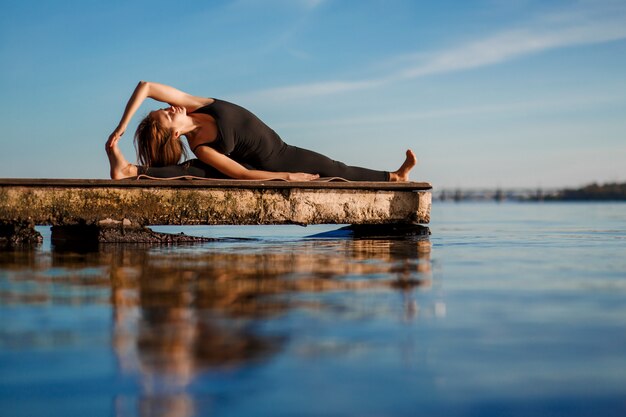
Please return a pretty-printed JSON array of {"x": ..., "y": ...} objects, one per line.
[
  {"x": 202, "y": 103},
  {"x": 221, "y": 109}
]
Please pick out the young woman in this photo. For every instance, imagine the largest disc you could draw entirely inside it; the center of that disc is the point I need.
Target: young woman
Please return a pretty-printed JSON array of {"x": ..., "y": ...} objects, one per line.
[{"x": 228, "y": 141}]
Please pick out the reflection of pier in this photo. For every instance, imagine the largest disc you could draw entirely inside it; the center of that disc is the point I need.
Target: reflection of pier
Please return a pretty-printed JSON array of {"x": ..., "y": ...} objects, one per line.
[{"x": 178, "y": 315}]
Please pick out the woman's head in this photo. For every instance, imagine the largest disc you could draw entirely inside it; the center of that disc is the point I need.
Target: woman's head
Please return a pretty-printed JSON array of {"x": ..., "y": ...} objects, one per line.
[{"x": 156, "y": 144}]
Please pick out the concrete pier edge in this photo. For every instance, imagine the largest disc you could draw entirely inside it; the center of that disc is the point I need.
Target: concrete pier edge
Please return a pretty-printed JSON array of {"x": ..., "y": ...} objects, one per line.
[{"x": 119, "y": 211}]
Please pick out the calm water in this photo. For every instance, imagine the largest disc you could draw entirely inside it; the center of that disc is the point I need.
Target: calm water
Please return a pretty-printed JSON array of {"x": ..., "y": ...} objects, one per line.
[{"x": 510, "y": 309}]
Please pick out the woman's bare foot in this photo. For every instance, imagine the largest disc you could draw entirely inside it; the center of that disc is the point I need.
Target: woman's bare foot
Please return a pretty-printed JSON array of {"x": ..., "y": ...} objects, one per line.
[
  {"x": 402, "y": 174},
  {"x": 120, "y": 167}
]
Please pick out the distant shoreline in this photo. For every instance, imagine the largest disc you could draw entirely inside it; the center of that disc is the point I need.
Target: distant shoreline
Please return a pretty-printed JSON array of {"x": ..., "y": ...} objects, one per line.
[{"x": 591, "y": 192}]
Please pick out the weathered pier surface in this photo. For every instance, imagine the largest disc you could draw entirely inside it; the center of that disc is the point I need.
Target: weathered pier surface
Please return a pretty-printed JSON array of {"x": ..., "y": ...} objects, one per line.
[{"x": 124, "y": 208}]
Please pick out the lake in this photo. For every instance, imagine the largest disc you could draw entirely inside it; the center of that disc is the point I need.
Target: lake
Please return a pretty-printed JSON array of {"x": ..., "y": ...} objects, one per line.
[{"x": 511, "y": 309}]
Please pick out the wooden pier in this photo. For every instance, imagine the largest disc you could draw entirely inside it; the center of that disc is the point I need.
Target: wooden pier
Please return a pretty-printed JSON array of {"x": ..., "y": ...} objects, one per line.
[{"x": 126, "y": 205}]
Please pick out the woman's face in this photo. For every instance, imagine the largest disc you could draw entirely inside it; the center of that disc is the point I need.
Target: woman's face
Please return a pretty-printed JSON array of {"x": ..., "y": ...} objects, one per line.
[{"x": 171, "y": 118}]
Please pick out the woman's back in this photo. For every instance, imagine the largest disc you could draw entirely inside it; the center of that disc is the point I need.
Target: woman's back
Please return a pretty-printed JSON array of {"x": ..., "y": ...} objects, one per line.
[{"x": 241, "y": 135}]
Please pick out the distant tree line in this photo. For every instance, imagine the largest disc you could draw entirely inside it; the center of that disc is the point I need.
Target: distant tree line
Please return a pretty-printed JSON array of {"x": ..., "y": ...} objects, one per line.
[{"x": 593, "y": 192}]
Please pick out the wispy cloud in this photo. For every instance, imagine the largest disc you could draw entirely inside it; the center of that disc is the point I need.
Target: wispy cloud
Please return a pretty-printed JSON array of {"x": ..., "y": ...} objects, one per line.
[
  {"x": 568, "y": 29},
  {"x": 302, "y": 12},
  {"x": 307, "y": 4},
  {"x": 311, "y": 4},
  {"x": 513, "y": 44},
  {"x": 562, "y": 103}
]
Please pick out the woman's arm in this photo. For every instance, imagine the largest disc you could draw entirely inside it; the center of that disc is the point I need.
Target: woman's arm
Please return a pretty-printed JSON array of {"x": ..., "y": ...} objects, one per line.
[
  {"x": 235, "y": 170},
  {"x": 159, "y": 92},
  {"x": 173, "y": 96}
]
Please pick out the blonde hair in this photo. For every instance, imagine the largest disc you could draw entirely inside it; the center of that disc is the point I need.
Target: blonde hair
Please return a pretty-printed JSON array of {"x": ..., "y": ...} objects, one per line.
[{"x": 156, "y": 146}]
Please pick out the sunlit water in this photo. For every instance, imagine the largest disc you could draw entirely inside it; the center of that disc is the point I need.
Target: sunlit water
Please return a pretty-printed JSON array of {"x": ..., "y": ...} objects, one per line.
[{"x": 507, "y": 309}]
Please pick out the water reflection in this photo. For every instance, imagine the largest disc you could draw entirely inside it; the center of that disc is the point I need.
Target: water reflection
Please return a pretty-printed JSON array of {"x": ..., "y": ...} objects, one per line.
[{"x": 180, "y": 312}]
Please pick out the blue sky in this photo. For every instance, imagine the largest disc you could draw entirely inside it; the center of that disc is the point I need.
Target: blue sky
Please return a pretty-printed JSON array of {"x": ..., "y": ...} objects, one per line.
[{"x": 487, "y": 93}]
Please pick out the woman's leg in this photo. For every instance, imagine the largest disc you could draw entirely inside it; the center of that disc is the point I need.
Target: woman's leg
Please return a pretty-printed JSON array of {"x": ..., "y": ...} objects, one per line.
[
  {"x": 294, "y": 159},
  {"x": 121, "y": 168},
  {"x": 192, "y": 167}
]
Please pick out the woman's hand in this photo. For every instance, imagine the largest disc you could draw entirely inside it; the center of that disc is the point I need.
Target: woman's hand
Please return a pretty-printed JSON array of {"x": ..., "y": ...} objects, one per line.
[
  {"x": 301, "y": 176},
  {"x": 115, "y": 137}
]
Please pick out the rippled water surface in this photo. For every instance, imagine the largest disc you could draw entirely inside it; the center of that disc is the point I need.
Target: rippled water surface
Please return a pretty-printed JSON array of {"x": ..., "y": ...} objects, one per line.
[{"x": 507, "y": 309}]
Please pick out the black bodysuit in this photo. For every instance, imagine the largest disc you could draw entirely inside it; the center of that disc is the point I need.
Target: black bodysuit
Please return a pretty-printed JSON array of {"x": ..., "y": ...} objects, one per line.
[{"x": 246, "y": 139}]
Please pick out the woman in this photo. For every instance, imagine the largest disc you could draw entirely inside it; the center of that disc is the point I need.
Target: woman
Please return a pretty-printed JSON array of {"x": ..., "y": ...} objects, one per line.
[{"x": 228, "y": 141}]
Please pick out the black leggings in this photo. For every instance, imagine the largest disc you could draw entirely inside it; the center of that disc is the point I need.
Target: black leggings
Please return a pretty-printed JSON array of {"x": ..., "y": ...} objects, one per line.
[
  {"x": 192, "y": 167},
  {"x": 289, "y": 159}
]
